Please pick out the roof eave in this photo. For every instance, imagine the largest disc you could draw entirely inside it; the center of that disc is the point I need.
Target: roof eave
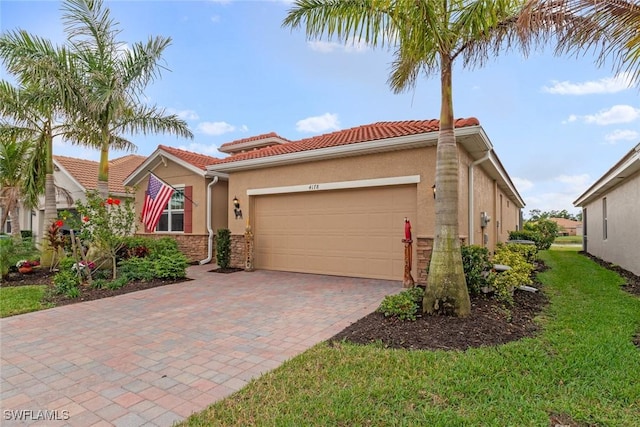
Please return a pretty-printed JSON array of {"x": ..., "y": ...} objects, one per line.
[{"x": 158, "y": 157}]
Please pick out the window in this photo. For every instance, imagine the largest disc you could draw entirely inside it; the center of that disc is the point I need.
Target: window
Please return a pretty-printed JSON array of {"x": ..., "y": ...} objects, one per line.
[
  {"x": 604, "y": 218},
  {"x": 172, "y": 218}
]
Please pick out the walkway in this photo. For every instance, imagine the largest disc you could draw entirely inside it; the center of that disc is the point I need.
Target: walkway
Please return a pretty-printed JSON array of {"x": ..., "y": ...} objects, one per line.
[{"x": 153, "y": 357}]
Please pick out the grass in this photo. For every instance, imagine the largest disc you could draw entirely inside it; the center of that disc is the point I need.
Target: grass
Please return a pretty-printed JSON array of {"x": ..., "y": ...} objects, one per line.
[
  {"x": 582, "y": 367},
  {"x": 21, "y": 299},
  {"x": 568, "y": 240}
]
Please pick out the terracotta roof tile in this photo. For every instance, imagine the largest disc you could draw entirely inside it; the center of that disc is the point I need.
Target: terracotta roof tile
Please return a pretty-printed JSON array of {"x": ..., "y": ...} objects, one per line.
[
  {"x": 253, "y": 138},
  {"x": 371, "y": 132},
  {"x": 86, "y": 171},
  {"x": 200, "y": 161}
]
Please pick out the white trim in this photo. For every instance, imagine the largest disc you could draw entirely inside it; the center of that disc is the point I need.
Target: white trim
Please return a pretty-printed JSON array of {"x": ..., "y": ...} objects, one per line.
[{"x": 338, "y": 185}]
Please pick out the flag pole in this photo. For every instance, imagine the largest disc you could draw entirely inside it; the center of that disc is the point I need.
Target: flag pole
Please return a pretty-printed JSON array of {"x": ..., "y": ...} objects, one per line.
[{"x": 174, "y": 189}]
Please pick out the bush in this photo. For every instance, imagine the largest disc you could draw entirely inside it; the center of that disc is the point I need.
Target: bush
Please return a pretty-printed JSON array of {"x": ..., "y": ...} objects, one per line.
[
  {"x": 476, "y": 264},
  {"x": 547, "y": 229},
  {"x": 531, "y": 235},
  {"x": 223, "y": 248},
  {"x": 66, "y": 282},
  {"x": 163, "y": 246},
  {"x": 529, "y": 252},
  {"x": 118, "y": 283},
  {"x": 170, "y": 266},
  {"x": 135, "y": 268},
  {"x": 519, "y": 274},
  {"x": 404, "y": 305}
]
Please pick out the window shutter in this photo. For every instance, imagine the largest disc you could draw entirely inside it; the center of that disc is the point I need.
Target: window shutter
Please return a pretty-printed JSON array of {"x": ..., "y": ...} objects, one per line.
[{"x": 188, "y": 209}]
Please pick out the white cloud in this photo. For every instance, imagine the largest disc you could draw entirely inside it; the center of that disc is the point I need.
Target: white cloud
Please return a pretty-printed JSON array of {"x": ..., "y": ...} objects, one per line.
[
  {"x": 215, "y": 18},
  {"x": 615, "y": 114},
  {"x": 573, "y": 183},
  {"x": 522, "y": 184},
  {"x": 215, "y": 128},
  {"x": 184, "y": 114},
  {"x": 329, "y": 47},
  {"x": 322, "y": 123},
  {"x": 622, "y": 135},
  {"x": 614, "y": 84}
]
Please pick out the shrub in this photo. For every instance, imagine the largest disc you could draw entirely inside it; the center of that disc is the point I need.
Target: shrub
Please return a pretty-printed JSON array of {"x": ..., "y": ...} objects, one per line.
[
  {"x": 66, "y": 282},
  {"x": 170, "y": 266},
  {"x": 547, "y": 229},
  {"x": 117, "y": 283},
  {"x": 476, "y": 264},
  {"x": 223, "y": 248},
  {"x": 135, "y": 268},
  {"x": 163, "y": 246},
  {"x": 531, "y": 235},
  {"x": 519, "y": 274},
  {"x": 529, "y": 252},
  {"x": 404, "y": 305}
]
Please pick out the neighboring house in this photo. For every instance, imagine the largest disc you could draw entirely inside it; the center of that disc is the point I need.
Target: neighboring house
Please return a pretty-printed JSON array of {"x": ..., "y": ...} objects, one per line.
[
  {"x": 74, "y": 177},
  {"x": 198, "y": 207},
  {"x": 335, "y": 203},
  {"x": 611, "y": 212},
  {"x": 568, "y": 227}
]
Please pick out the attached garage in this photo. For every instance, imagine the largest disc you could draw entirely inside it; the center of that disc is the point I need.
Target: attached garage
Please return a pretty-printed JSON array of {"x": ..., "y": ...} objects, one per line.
[{"x": 352, "y": 232}]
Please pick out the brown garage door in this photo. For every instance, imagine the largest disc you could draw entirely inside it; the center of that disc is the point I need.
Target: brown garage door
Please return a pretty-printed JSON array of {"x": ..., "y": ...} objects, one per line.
[{"x": 356, "y": 232}]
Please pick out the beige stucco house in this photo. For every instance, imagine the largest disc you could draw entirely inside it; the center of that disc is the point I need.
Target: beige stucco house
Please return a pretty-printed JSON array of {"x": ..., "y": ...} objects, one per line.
[
  {"x": 611, "y": 212},
  {"x": 198, "y": 207},
  {"x": 335, "y": 203}
]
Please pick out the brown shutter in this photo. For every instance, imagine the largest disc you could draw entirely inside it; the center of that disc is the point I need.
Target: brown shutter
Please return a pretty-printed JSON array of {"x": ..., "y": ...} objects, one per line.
[{"x": 188, "y": 209}]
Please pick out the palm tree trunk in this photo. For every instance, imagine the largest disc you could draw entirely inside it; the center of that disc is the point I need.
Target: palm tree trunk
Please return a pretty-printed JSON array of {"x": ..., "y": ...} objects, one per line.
[
  {"x": 446, "y": 290},
  {"x": 50, "y": 206},
  {"x": 103, "y": 168},
  {"x": 15, "y": 223}
]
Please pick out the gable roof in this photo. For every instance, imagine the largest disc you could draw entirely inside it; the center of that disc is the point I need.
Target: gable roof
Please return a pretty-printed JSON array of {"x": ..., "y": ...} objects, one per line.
[
  {"x": 195, "y": 162},
  {"x": 253, "y": 142},
  {"x": 364, "y": 133},
  {"x": 85, "y": 172},
  {"x": 566, "y": 223},
  {"x": 627, "y": 166}
]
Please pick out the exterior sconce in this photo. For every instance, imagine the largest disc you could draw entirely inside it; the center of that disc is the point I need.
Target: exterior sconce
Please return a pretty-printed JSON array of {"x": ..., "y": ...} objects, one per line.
[
  {"x": 434, "y": 190},
  {"x": 236, "y": 208}
]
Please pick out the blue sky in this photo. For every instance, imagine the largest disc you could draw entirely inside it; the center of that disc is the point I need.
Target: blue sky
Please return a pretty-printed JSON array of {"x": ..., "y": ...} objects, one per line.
[{"x": 556, "y": 123}]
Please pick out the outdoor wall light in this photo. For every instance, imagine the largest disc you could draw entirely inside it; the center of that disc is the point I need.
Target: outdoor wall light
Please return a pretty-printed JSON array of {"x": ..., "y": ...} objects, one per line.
[
  {"x": 236, "y": 208},
  {"x": 434, "y": 190}
]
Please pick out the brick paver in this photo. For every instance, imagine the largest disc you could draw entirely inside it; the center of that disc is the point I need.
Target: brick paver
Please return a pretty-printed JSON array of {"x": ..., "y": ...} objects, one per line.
[{"x": 154, "y": 357}]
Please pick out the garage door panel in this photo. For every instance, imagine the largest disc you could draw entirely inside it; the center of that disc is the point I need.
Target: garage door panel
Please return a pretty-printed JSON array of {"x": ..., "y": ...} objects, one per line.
[{"x": 349, "y": 232}]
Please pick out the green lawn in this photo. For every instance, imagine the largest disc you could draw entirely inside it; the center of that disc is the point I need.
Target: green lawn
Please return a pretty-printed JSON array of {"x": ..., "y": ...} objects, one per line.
[
  {"x": 21, "y": 299},
  {"x": 582, "y": 367},
  {"x": 568, "y": 240}
]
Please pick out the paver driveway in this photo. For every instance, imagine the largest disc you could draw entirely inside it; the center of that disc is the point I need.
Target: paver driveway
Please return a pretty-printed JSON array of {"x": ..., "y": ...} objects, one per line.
[{"x": 154, "y": 357}]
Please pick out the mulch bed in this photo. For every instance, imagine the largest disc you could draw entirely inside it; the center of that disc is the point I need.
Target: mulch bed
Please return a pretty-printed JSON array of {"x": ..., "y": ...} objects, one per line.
[{"x": 42, "y": 276}]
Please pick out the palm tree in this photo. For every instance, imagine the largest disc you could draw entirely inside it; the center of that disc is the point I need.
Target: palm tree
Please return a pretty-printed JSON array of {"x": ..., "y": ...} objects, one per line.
[
  {"x": 13, "y": 157},
  {"x": 429, "y": 37},
  {"x": 608, "y": 27},
  {"x": 113, "y": 80}
]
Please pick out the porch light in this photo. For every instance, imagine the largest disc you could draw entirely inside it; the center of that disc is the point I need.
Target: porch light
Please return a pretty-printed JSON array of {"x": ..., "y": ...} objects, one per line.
[
  {"x": 236, "y": 208},
  {"x": 433, "y": 187}
]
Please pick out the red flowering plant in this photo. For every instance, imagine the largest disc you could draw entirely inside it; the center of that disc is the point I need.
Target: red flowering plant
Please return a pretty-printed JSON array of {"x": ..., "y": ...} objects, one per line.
[
  {"x": 105, "y": 223},
  {"x": 56, "y": 241},
  {"x": 27, "y": 263}
]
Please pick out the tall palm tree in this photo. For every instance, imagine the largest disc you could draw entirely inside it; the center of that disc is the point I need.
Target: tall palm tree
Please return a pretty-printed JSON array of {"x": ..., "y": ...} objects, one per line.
[
  {"x": 608, "y": 27},
  {"x": 429, "y": 36},
  {"x": 113, "y": 80}
]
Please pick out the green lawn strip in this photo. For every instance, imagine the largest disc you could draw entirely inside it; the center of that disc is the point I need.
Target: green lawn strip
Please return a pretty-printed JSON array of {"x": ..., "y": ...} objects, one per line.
[
  {"x": 577, "y": 240},
  {"x": 21, "y": 299},
  {"x": 583, "y": 365}
]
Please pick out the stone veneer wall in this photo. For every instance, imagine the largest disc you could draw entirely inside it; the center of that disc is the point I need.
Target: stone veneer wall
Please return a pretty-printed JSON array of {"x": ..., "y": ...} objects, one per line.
[
  {"x": 424, "y": 248},
  {"x": 193, "y": 246},
  {"x": 237, "y": 251}
]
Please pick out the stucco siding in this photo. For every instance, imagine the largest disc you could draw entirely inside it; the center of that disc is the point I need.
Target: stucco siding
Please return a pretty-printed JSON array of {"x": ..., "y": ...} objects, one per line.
[
  {"x": 622, "y": 243},
  {"x": 381, "y": 165}
]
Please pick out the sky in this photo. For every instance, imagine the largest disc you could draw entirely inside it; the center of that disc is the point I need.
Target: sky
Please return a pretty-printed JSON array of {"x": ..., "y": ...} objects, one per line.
[{"x": 232, "y": 71}]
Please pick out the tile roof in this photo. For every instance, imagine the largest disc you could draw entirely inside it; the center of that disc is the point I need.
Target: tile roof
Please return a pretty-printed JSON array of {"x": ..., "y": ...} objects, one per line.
[
  {"x": 200, "y": 161},
  {"x": 86, "y": 171},
  {"x": 371, "y": 132},
  {"x": 253, "y": 138}
]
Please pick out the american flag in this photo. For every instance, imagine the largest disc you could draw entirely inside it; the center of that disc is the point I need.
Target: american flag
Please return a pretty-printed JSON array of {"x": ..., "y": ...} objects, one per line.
[{"x": 156, "y": 198}]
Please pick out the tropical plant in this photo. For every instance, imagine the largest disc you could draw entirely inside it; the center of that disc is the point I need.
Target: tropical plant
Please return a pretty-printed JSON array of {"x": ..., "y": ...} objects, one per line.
[
  {"x": 608, "y": 27},
  {"x": 13, "y": 157},
  {"x": 223, "y": 248},
  {"x": 114, "y": 80},
  {"x": 429, "y": 37}
]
